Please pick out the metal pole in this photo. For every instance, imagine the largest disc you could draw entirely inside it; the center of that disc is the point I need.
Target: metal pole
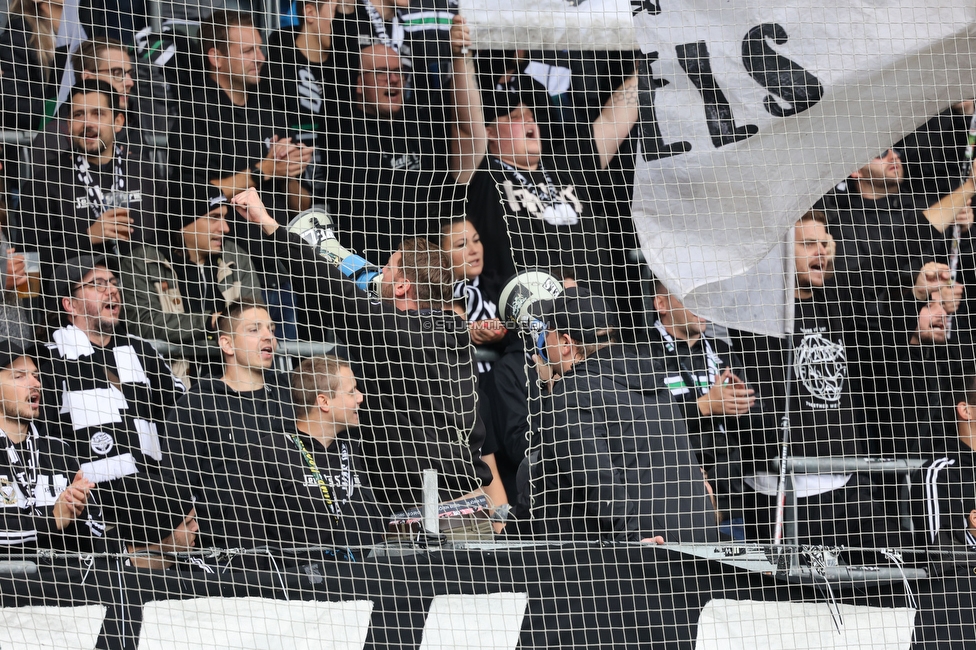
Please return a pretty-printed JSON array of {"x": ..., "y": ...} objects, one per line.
[
  {"x": 430, "y": 501},
  {"x": 785, "y": 448}
]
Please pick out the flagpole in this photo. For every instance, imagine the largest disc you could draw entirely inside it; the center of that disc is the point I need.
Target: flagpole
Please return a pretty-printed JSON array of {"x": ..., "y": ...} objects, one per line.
[{"x": 784, "y": 449}]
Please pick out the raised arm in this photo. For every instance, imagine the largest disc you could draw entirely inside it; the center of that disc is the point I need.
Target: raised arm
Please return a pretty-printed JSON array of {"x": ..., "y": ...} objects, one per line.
[
  {"x": 469, "y": 140},
  {"x": 617, "y": 118}
]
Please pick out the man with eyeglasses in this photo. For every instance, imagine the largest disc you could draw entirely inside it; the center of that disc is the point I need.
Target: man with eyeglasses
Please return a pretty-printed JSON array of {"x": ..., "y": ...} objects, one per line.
[
  {"x": 94, "y": 197},
  {"x": 395, "y": 167},
  {"x": 107, "y": 392}
]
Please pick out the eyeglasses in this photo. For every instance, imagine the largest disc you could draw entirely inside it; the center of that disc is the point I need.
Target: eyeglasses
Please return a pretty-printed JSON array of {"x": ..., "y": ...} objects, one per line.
[
  {"x": 117, "y": 74},
  {"x": 383, "y": 74},
  {"x": 100, "y": 285}
]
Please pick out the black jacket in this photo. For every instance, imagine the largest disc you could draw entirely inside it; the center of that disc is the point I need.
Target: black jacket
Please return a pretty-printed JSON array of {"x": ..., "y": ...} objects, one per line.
[
  {"x": 25, "y": 83},
  {"x": 212, "y": 434},
  {"x": 419, "y": 377},
  {"x": 292, "y": 506},
  {"x": 615, "y": 462}
]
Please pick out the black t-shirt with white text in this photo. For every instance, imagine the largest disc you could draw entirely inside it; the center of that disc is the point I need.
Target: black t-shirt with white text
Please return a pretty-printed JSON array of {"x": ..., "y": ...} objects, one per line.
[{"x": 542, "y": 218}]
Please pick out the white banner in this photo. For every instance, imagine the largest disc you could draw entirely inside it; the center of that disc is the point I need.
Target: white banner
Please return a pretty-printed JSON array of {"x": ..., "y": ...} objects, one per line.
[
  {"x": 550, "y": 24},
  {"x": 758, "y": 108}
]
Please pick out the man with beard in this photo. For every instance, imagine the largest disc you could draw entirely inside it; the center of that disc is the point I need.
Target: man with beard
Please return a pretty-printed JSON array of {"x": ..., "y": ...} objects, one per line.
[
  {"x": 811, "y": 374},
  {"x": 216, "y": 428},
  {"x": 107, "y": 392},
  {"x": 45, "y": 501},
  {"x": 233, "y": 135},
  {"x": 415, "y": 353},
  {"x": 94, "y": 198}
]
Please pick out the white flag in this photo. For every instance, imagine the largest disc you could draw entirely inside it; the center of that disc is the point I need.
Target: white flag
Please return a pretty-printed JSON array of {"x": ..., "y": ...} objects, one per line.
[{"x": 758, "y": 107}]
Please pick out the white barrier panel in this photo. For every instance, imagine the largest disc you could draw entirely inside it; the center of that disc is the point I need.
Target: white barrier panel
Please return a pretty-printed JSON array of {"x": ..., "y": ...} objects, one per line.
[
  {"x": 490, "y": 622},
  {"x": 749, "y": 624},
  {"x": 254, "y": 624},
  {"x": 33, "y": 628}
]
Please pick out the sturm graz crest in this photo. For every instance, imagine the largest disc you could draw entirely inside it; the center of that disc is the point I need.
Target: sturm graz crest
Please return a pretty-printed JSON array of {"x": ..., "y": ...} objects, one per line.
[{"x": 821, "y": 366}]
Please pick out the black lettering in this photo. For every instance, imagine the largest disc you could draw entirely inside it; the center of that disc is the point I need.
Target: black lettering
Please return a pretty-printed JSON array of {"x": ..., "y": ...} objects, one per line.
[
  {"x": 777, "y": 74},
  {"x": 650, "y": 6},
  {"x": 693, "y": 58},
  {"x": 652, "y": 141}
]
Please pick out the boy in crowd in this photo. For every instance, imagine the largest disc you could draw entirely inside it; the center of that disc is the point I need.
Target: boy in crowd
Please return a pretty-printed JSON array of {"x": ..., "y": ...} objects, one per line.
[{"x": 216, "y": 428}]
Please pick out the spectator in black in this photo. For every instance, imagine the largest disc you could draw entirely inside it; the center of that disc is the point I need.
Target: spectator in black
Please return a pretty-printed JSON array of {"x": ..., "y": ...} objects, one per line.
[
  {"x": 311, "y": 77},
  {"x": 215, "y": 429},
  {"x": 615, "y": 460},
  {"x": 707, "y": 378},
  {"x": 94, "y": 198},
  {"x": 336, "y": 509},
  {"x": 873, "y": 222},
  {"x": 106, "y": 392},
  {"x": 45, "y": 500},
  {"x": 232, "y": 134},
  {"x": 396, "y": 169},
  {"x": 30, "y": 65},
  {"x": 813, "y": 369},
  {"x": 418, "y": 31},
  {"x": 934, "y": 154},
  {"x": 461, "y": 241},
  {"x": 916, "y": 410},
  {"x": 416, "y": 359},
  {"x": 104, "y": 60},
  {"x": 175, "y": 293},
  {"x": 532, "y": 205}
]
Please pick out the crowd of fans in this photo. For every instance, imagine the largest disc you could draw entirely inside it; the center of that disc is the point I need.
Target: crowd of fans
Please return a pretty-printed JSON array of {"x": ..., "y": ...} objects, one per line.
[{"x": 156, "y": 206}]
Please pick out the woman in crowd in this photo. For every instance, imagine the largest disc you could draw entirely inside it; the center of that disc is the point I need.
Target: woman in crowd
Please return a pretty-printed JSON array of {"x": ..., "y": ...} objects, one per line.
[{"x": 463, "y": 243}]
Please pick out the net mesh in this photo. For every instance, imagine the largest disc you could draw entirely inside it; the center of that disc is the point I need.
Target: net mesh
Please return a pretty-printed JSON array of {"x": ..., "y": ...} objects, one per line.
[{"x": 482, "y": 324}]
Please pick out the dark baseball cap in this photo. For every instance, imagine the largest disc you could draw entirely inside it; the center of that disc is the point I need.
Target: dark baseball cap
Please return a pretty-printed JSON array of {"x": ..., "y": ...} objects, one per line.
[
  {"x": 191, "y": 201},
  {"x": 501, "y": 99},
  {"x": 579, "y": 313},
  {"x": 11, "y": 350},
  {"x": 67, "y": 275}
]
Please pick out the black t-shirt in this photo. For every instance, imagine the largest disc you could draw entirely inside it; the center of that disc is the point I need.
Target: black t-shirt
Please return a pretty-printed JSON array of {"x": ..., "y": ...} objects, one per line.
[
  {"x": 823, "y": 421},
  {"x": 310, "y": 93},
  {"x": 294, "y": 508},
  {"x": 211, "y": 435},
  {"x": 389, "y": 180},
  {"x": 542, "y": 218},
  {"x": 866, "y": 264}
]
